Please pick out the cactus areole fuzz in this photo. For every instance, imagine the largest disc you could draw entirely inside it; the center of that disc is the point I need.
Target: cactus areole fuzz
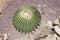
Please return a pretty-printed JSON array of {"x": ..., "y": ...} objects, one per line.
[{"x": 26, "y": 19}]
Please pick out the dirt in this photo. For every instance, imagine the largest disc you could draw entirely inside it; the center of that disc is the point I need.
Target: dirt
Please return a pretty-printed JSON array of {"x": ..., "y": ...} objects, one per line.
[{"x": 50, "y": 9}]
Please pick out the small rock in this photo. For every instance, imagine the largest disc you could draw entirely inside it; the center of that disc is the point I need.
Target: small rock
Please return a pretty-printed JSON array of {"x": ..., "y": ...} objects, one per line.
[
  {"x": 1, "y": 38},
  {"x": 49, "y": 24},
  {"x": 51, "y": 37},
  {"x": 5, "y": 36},
  {"x": 57, "y": 29},
  {"x": 0, "y": 13},
  {"x": 44, "y": 5},
  {"x": 56, "y": 21},
  {"x": 42, "y": 39},
  {"x": 9, "y": 34},
  {"x": 58, "y": 38}
]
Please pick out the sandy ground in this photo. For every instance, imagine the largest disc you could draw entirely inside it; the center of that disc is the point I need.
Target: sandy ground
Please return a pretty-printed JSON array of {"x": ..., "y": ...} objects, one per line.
[{"x": 50, "y": 9}]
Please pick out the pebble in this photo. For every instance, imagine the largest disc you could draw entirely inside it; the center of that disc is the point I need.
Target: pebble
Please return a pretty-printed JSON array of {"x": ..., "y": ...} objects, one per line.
[
  {"x": 44, "y": 5},
  {"x": 49, "y": 24},
  {"x": 0, "y": 38},
  {"x": 5, "y": 36},
  {"x": 51, "y": 37},
  {"x": 57, "y": 29},
  {"x": 56, "y": 21}
]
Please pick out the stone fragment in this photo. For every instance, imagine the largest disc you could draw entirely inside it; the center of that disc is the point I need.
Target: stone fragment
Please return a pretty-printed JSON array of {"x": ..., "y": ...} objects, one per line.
[
  {"x": 56, "y": 21},
  {"x": 51, "y": 37},
  {"x": 57, "y": 29},
  {"x": 1, "y": 38},
  {"x": 49, "y": 24},
  {"x": 5, "y": 36}
]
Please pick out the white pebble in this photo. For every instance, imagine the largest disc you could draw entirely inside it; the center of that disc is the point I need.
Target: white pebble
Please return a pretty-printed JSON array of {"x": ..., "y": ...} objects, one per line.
[
  {"x": 49, "y": 24},
  {"x": 44, "y": 5},
  {"x": 5, "y": 36}
]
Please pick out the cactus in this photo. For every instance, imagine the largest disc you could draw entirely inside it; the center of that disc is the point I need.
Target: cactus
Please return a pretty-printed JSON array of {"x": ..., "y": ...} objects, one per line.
[{"x": 26, "y": 19}]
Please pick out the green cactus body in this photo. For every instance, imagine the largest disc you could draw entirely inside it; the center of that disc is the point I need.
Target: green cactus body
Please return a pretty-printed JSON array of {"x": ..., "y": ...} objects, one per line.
[{"x": 26, "y": 19}]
